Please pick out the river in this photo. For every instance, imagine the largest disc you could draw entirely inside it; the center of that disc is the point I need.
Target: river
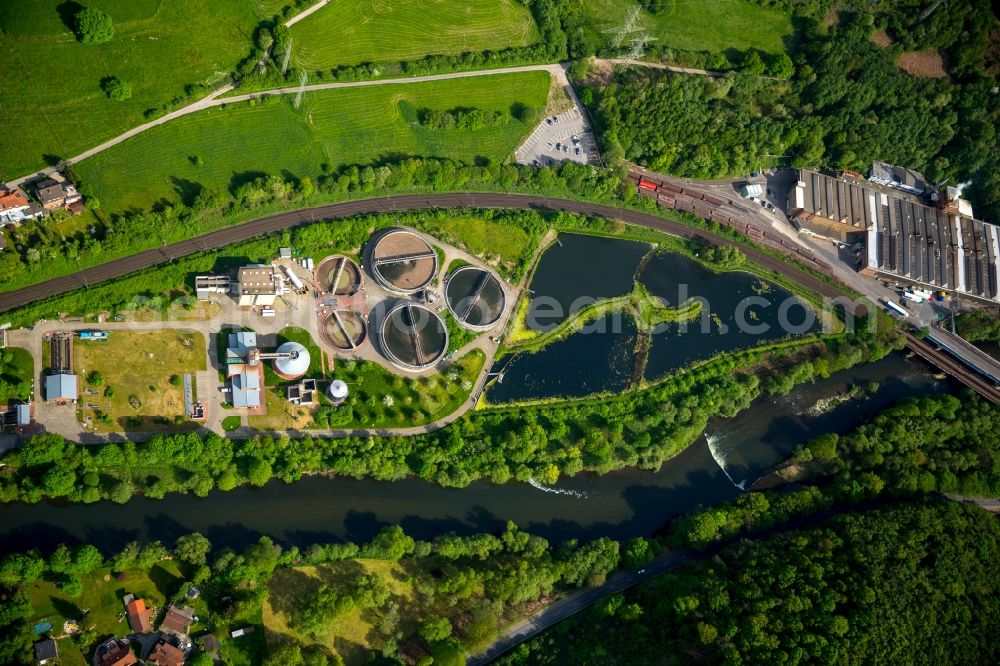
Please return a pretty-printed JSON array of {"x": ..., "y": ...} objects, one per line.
[{"x": 621, "y": 504}]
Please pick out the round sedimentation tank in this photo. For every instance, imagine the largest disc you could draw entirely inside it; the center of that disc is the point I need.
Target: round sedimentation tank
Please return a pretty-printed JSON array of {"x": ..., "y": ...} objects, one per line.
[
  {"x": 338, "y": 391},
  {"x": 294, "y": 361},
  {"x": 345, "y": 329},
  {"x": 339, "y": 276},
  {"x": 476, "y": 297},
  {"x": 413, "y": 337},
  {"x": 403, "y": 262}
]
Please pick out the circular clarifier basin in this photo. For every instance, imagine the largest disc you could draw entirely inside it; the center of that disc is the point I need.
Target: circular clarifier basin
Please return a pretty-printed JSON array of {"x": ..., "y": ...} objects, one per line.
[
  {"x": 339, "y": 275},
  {"x": 476, "y": 297},
  {"x": 403, "y": 262},
  {"x": 345, "y": 329},
  {"x": 413, "y": 337}
]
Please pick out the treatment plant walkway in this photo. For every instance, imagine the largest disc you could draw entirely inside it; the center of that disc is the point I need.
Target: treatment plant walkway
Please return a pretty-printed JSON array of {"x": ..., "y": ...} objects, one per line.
[{"x": 557, "y": 70}]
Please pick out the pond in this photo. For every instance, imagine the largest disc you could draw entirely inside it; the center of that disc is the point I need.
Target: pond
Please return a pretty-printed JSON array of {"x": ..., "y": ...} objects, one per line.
[
  {"x": 620, "y": 505},
  {"x": 739, "y": 310}
]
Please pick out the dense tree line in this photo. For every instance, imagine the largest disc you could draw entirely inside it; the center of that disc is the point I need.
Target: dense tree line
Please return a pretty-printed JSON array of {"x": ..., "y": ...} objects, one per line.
[
  {"x": 461, "y": 118},
  {"x": 978, "y": 326},
  {"x": 909, "y": 583},
  {"x": 848, "y": 104},
  {"x": 515, "y": 566},
  {"x": 643, "y": 428}
]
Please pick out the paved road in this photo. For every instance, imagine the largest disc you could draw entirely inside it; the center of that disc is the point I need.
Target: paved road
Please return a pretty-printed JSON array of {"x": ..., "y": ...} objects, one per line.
[
  {"x": 223, "y": 237},
  {"x": 215, "y": 99}
]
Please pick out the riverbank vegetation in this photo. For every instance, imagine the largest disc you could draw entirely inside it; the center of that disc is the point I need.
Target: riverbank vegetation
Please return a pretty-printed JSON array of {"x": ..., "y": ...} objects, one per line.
[
  {"x": 395, "y": 597},
  {"x": 880, "y": 585},
  {"x": 978, "y": 326},
  {"x": 843, "y": 77}
]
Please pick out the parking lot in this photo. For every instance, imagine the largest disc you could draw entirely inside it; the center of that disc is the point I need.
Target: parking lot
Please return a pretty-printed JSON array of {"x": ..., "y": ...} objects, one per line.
[{"x": 565, "y": 137}]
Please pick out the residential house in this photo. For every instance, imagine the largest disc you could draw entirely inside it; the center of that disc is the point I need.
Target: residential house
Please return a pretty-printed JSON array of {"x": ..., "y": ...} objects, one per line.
[
  {"x": 55, "y": 194},
  {"x": 46, "y": 651},
  {"x": 165, "y": 654},
  {"x": 138, "y": 615},
  {"x": 114, "y": 652},
  {"x": 14, "y": 206},
  {"x": 177, "y": 620}
]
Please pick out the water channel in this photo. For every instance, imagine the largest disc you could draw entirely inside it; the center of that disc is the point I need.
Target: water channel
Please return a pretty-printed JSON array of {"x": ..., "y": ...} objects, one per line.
[{"x": 622, "y": 504}]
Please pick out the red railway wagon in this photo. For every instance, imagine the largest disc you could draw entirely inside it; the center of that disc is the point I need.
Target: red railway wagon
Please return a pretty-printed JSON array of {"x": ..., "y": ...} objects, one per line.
[
  {"x": 632, "y": 175},
  {"x": 712, "y": 200},
  {"x": 647, "y": 184}
]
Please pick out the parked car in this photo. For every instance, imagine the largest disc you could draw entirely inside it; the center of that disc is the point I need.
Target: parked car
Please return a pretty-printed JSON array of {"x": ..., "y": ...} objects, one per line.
[
  {"x": 577, "y": 151},
  {"x": 548, "y": 120},
  {"x": 576, "y": 139},
  {"x": 558, "y": 145}
]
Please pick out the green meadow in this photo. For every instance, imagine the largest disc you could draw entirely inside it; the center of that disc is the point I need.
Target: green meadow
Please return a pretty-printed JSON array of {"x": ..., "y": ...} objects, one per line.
[
  {"x": 699, "y": 25},
  {"x": 225, "y": 146},
  {"x": 348, "y": 32},
  {"x": 52, "y": 105}
]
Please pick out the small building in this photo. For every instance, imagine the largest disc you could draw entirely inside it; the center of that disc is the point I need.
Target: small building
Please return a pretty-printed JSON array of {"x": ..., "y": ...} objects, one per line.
[
  {"x": 166, "y": 654},
  {"x": 138, "y": 615},
  {"x": 46, "y": 651},
  {"x": 61, "y": 388},
  {"x": 114, "y": 652},
  {"x": 23, "y": 414},
  {"x": 751, "y": 190},
  {"x": 246, "y": 388},
  {"x": 241, "y": 346},
  {"x": 259, "y": 286},
  {"x": 14, "y": 206},
  {"x": 241, "y": 632},
  {"x": 210, "y": 643},
  {"x": 284, "y": 253},
  {"x": 177, "y": 620},
  {"x": 206, "y": 285},
  {"x": 338, "y": 391},
  {"x": 303, "y": 393}
]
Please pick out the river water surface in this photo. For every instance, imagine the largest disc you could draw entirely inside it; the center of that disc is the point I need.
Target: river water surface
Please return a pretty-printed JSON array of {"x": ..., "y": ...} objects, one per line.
[{"x": 620, "y": 505}]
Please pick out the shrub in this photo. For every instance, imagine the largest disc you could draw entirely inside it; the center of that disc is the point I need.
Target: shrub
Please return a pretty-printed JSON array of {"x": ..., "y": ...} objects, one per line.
[
  {"x": 116, "y": 89},
  {"x": 94, "y": 26}
]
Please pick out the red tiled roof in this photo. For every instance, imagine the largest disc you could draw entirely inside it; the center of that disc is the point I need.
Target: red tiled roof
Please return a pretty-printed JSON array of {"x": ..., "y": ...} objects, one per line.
[
  {"x": 165, "y": 654},
  {"x": 12, "y": 199},
  {"x": 138, "y": 616}
]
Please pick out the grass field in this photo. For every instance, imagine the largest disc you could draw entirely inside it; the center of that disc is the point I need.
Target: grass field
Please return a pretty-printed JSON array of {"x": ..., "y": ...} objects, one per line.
[
  {"x": 16, "y": 372},
  {"x": 104, "y": 599},
  {"x": 52, "y": 103},
  {"x": 505, "y": 247},
  {"x": 351, "y": 635},
  {"x": 138, "y": 365},
  {"x": 336, "y": 127},
  {"x": 699, "y": 25},
  {"x": 349, "y": 32}
]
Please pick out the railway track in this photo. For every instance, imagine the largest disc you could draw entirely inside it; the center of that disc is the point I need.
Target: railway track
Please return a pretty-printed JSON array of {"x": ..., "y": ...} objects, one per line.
[
  {"x": 953, "y": 367},
  {"x": 234, "y": 234}
]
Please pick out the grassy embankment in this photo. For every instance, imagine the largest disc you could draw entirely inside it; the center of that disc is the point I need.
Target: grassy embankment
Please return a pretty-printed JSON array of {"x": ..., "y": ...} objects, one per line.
[
  {"x": 407, "y": 30},
  {"x": 647, "y": 310},
  {"x": 693, "y": 25},
  {"x": 140, "y": 374},
  {"x": 16, "y": 372},
  {"x": 224, "y": 147},
  {"x": 53, "y": 106}
]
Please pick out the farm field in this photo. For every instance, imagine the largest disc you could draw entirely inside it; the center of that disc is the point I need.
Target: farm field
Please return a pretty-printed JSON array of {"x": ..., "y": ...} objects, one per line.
[
  {"x": 349, "y": 32},
  {"x": 224, "y": 147},
  {"x": 695, "y": 25},
  {"x": 137, "y": 367},
  {"x": 52, "y": 104}
]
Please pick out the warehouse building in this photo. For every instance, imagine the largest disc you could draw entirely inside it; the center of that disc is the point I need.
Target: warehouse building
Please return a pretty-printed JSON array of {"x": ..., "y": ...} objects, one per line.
[{"x": 930, "y": 240}]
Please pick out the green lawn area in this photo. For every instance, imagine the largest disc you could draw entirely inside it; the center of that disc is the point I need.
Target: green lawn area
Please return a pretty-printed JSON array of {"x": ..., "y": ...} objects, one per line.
[
  {"x": 349, "y": 32},
  {"x": 696, "y": 25},
  {"x": 52, "y": 103},
  {"x": 16, "y": 372},
  {"x": 231, "y": 423},
  {"x": 506, "y": 247},
  {"x": 415, "y": 401},
  {"x": 102, "y": 594},
  {"x": 336, "y": 127},
  {"x": 138, "y": 366}
]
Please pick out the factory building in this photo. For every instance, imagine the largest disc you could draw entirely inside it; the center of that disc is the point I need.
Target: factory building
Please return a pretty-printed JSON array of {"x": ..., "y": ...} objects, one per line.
[
  {"x": 259, "y": 286},
  {"x": 928, "y": 239}
]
